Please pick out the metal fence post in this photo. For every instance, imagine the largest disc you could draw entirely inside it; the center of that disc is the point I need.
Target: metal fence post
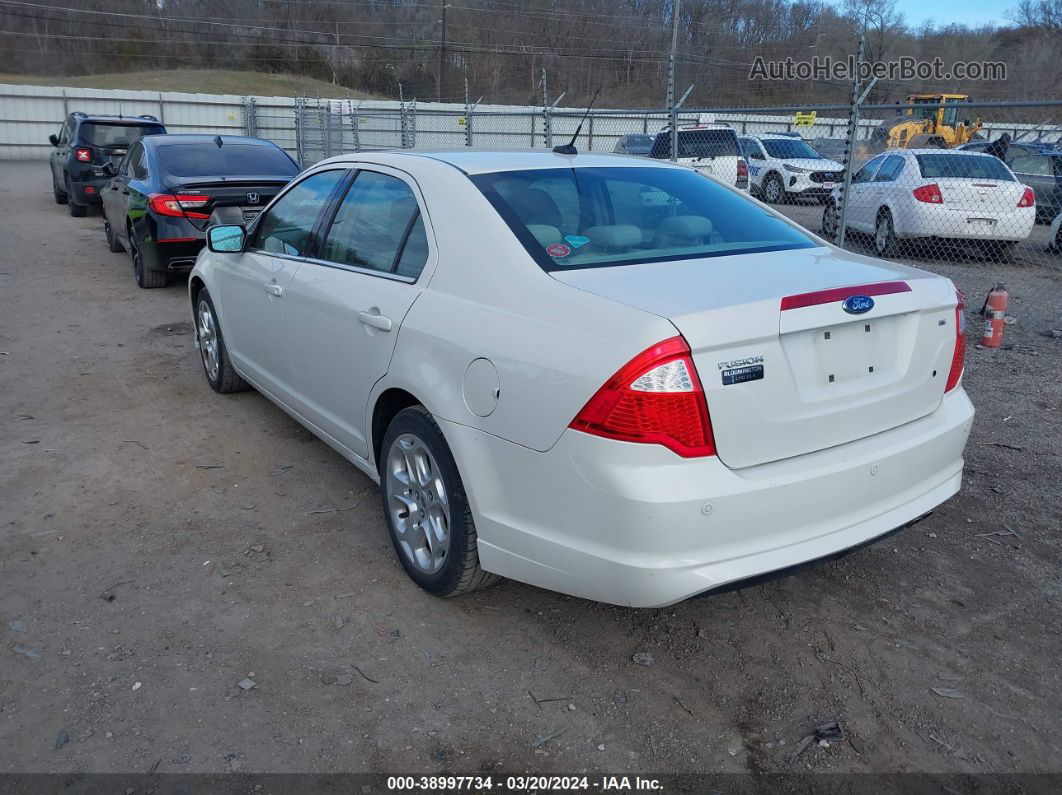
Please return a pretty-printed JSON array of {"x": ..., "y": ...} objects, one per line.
[
  {"x": 354, "y": 124},
  {"x": 299, "y": 153},
  {"x": 547, "y": 123},
  {"x": 412, "y": 132},
  {"x": 162, "y": 109},
  {"x": 849, "y": 150},
  {"x": 468, "y": 117}
]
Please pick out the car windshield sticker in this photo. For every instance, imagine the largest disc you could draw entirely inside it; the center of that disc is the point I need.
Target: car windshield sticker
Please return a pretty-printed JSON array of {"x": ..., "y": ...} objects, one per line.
[
  {"x": 577, "y": 240},
  {"x": 558, "y": 250}
]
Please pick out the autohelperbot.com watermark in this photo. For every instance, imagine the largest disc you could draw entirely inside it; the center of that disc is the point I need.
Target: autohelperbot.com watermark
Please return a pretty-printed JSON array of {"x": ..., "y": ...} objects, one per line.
[{"x": 903, "y": 68}]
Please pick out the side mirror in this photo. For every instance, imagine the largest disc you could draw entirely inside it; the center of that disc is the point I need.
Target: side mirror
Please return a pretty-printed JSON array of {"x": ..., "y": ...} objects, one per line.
[
  {"x": 53, "y": 139},
  {"x": 109, "y": 169},
  {"x": 226, "y": 239}
]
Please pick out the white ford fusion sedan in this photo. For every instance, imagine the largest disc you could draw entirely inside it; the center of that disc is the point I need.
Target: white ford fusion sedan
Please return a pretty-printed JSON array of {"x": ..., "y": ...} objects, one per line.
[{"x": 609, "y": 377}]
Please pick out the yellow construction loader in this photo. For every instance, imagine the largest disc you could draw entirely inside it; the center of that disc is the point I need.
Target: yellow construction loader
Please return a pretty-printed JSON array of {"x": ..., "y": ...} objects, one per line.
[{"x": 936, "y": 120}]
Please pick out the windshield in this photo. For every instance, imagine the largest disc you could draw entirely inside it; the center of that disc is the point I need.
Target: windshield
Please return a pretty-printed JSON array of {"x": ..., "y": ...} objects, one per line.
[
  {"x": 96, "y": 133},
  {"x": 697, "y": 144},
  {"x": 598, "y": 217},
  {"x": 789, "y": 148},
  {"x": 963, "y": 166},
  {"x": 230, "y": 160}
]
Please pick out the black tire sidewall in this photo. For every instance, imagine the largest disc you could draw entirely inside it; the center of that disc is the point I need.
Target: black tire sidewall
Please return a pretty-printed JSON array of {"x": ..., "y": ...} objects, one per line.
[{"x": 418, "y": 421}]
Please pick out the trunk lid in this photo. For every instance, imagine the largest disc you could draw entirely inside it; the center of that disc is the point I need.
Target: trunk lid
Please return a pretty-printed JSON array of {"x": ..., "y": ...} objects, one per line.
[
  {"x": 784, "y": 378},
  {"x": 237, "y": 200},
  {"x": 988, "y": 198}
]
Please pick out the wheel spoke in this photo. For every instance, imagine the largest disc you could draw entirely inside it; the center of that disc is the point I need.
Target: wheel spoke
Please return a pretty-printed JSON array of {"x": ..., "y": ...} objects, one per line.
[{"x": 417, "y": 503}]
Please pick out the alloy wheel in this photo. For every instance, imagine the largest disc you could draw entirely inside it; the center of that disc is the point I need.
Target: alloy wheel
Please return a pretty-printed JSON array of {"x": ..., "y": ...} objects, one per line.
[
  {"x": 773, "y": 190},
  {"x": 208, "y": 341},
  {"x": 418, "y": 503}
]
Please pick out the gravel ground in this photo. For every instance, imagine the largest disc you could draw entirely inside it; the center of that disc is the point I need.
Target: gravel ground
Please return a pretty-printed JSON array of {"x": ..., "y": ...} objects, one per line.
[{"x": 159, "y": 544}]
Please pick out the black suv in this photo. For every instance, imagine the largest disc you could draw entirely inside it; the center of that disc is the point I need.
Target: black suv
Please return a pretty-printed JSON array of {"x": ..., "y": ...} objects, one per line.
[{"x": 84, "y": 145}]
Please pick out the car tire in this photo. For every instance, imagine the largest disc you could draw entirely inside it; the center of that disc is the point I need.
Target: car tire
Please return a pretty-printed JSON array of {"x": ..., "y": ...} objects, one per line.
[
  {"x": 112, "y": 239},
  {"x": 217, "y": 367},
  {"x": 146, "y": 278},
  {"x": 885, "y": 241},
  {"x": 427, "y": 511},
  {"x": 77, "y": 210},
  {"x": 773, "y": 190},
  {"x": 60, "y": 196},
  {"x": 830, "y": 222}
]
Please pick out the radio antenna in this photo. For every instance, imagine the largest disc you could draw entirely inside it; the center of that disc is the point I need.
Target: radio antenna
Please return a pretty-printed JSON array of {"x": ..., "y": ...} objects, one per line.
[{"x": 569, "y": 148}]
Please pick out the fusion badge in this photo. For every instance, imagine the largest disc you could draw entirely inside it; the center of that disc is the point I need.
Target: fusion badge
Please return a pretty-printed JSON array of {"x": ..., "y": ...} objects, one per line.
[{"x": 738, "y": 371}]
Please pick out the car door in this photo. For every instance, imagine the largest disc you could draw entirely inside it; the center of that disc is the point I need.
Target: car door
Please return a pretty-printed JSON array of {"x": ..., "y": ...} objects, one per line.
[
  {"x": 116, "y": 195},
  {"x": 1036, "y": 172},
  {"x": 253, "y": 283},
  {"x": 754, "y": 156},
  {"x": 344, "y": 307},
  {"x": 861, "y": 196},
  {"x": 886, "y": 190}
]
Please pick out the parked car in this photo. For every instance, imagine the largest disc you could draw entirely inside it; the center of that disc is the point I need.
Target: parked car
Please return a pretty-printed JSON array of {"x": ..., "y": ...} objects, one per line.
[
  {"x": 169, "y": 188},
  {"x": 1014, "y": 149},
  {"x": 830, "y": 148},
  {"x": 711, "y": 149},
  {"x": 939, "y": 197},
  {"x": 84, "y": 145},
  {"x": 1043, "y": 173},
  {"x": 783, "y": 168},
  {"x": 634, "y": 144},
  {"x": 557, "y": 377}
]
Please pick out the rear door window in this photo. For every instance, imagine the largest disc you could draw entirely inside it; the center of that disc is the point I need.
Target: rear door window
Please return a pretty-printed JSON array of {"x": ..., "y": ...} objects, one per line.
[
  {"x": 1032, "y": 164},
  {"x": 374, "y": 225},
  {"x": 100, "y": 134},
  {"x": 229, "y": 159}
]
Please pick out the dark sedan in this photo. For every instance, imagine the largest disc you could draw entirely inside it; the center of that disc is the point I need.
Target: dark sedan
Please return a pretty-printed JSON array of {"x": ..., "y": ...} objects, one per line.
[
  {"x": 1042, "y": 173},
  {"x": 169, "y": 188}
]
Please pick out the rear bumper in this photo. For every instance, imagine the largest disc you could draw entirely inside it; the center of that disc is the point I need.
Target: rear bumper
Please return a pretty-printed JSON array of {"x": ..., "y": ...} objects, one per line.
[
  {"x": 941, "y": 222},
  {"x": 637, "y": 525},
  {"x": 175, "y": 257},
  {"x": 87, "y": 191}
]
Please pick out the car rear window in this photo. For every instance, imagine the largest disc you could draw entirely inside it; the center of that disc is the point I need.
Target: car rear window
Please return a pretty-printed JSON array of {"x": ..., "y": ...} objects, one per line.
[
  {"x": 598, "y": 217},
  {"x": 697, "y": 143},
  {"x": 963, "y": 166},
  {"x": 230, "y": 160},
  {"x": 101, "y": 134}
]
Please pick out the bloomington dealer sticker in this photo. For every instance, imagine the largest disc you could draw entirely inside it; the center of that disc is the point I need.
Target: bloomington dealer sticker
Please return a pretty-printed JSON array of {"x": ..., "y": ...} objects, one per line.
[
  {"x": 738, "y": 371},
  {"x": 557, "y": 250}
]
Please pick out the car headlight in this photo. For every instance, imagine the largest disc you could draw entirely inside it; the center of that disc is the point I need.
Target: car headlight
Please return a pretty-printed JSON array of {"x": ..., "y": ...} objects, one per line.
[{"x": 795, "y": 169}]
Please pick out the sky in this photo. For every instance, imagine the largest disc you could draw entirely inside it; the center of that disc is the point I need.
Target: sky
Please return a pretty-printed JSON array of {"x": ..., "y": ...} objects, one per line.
[{"x": 965, "y": 12}]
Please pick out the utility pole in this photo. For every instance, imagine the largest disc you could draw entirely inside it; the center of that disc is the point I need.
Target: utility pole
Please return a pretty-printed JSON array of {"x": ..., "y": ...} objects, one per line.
[
  {"x": 851, "y": 137},
  {"x": 671, "y": 79},
  {"x": 442, "y": 53}
]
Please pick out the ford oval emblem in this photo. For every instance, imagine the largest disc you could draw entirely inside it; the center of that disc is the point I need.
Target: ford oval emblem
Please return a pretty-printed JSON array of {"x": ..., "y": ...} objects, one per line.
[{"x": 857, "y": 304}]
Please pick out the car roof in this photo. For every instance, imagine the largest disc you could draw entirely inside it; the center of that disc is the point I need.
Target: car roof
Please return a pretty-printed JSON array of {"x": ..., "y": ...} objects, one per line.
[
  {"x": 174, "y": 139},
  {"x": 138, "y": 120},
  {"x": 487, "y": 161},
  {"x": 935, "y": 151}
]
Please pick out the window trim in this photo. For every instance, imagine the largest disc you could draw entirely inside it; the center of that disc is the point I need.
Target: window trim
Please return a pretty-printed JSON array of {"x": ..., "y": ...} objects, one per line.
[
  {"x": 253, "y": 227},
  {"x": 333, "y": 210}
]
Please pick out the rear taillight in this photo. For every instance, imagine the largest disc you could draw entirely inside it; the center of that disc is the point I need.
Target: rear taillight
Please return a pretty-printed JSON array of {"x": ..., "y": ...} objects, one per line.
[
  {"x": 179, "y": 206},
  {"x": 83, "y": 155},
  {"x": 930, "y": 194},
  {"x": 656, "y": 398},
  {"x": 958, "y": 358},
  {"x": 1028, "y": 198},
  {"x": 743, "y": 169}
]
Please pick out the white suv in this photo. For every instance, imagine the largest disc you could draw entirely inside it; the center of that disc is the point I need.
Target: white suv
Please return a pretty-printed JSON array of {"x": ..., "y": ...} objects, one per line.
[
  {"x": 783, "y": 167},
  {"x": 711, "y": 149}
]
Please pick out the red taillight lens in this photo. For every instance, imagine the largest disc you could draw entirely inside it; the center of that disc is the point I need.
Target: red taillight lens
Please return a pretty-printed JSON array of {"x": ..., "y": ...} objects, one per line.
[
  {"x": 83, "y": 155},
  {"x": 178, "y": 206},
  {"x": 656, "y": 398},
  {"x": 958, "y": 358},
  {"x": 1028, "y": 198},
  {"x": 743, "y": 168},
  {"x": 930, "y": 194}
]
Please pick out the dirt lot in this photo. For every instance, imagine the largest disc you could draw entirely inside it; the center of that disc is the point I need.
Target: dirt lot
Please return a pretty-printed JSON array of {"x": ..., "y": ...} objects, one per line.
[{"x": 159, "y": 543}]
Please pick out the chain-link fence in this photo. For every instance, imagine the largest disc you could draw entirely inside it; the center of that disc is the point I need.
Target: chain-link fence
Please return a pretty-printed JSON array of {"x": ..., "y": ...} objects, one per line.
[{"x": 944, "y": 180}]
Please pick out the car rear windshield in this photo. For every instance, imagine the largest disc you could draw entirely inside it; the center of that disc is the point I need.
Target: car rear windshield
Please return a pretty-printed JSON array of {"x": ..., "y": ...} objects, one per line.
[
  {"x": 963, "y": 166},
  {"x": 102, "y": 134},
  {"x": 697, "y": 143},
  {"x": 228, "y": 160},
  {"x": 598, "y": 217},
  {"x": 639, "y": 141},
  {"x": 789, "y": 148}
]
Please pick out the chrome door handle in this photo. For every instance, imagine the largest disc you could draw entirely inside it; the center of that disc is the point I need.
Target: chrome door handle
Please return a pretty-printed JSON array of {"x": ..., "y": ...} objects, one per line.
[
  {"x": 376, "y": 320},
  {"x": 274, "y": 289}
]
